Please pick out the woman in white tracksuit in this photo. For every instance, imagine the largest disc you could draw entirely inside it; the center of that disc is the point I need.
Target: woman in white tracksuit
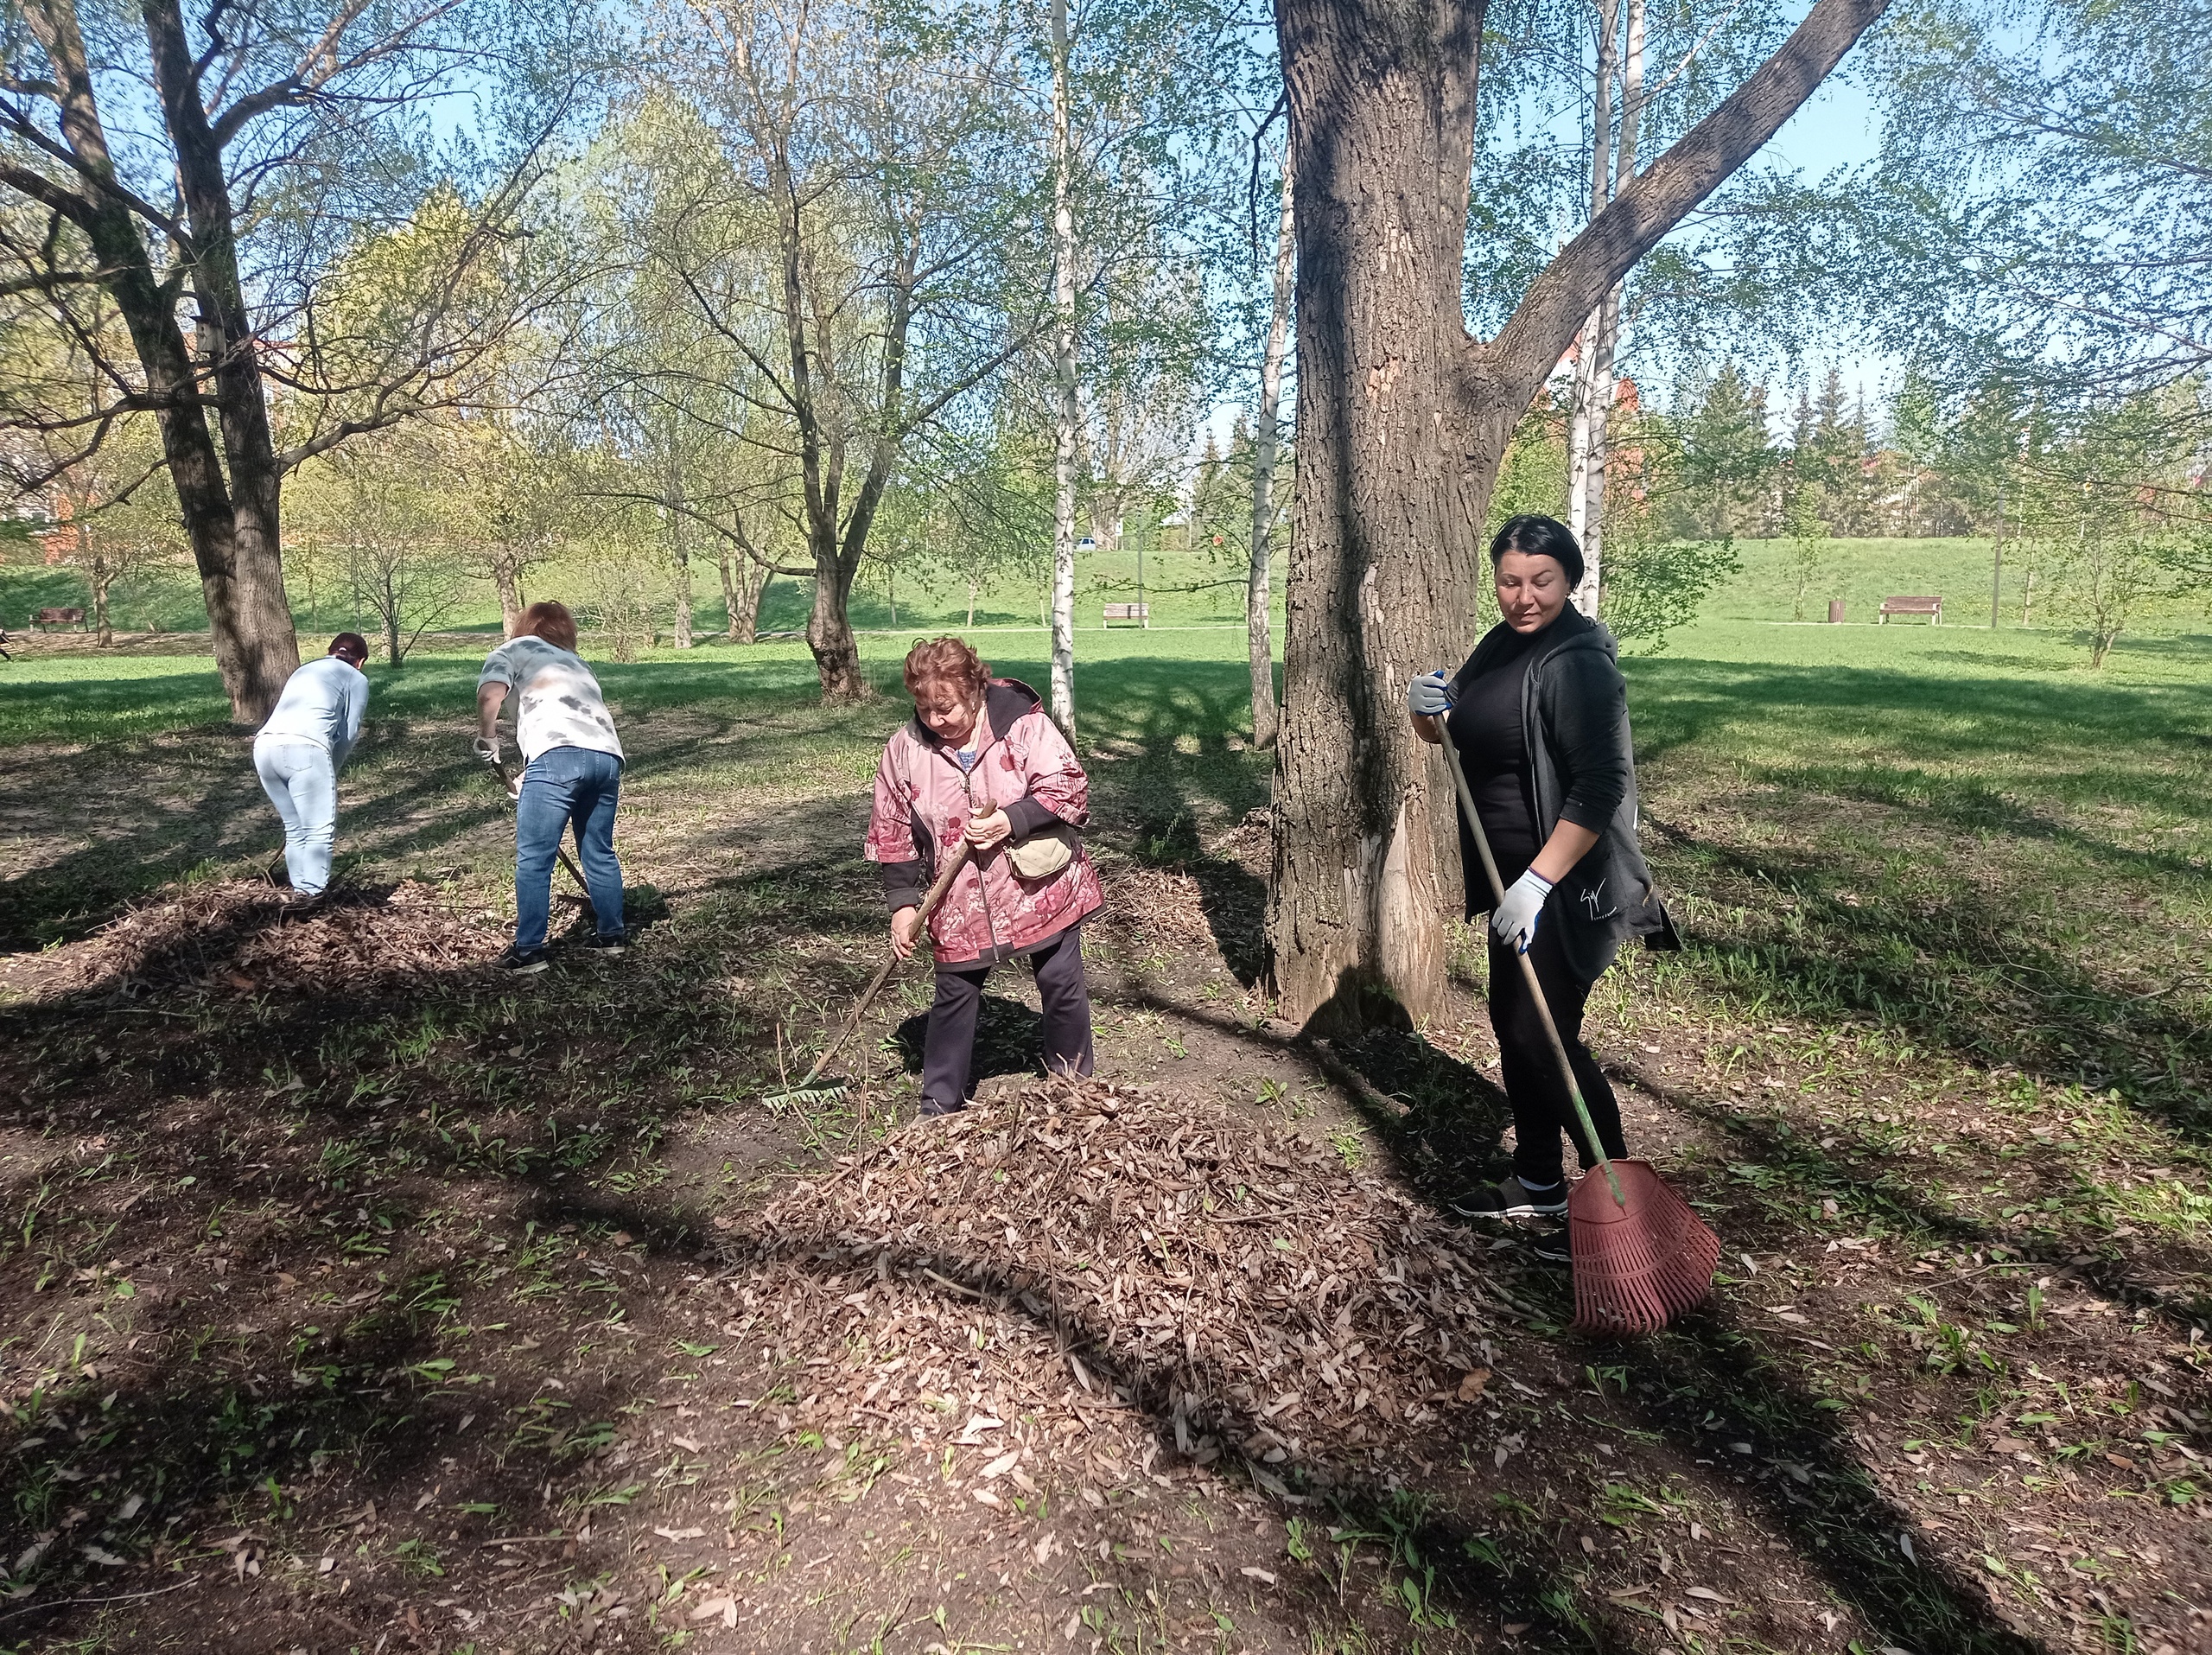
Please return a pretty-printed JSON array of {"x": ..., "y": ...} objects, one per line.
[{"x": 299, "y": 751}]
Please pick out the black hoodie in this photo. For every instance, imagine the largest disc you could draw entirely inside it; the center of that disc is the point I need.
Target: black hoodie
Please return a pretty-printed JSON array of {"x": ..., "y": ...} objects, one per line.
[{"x": 1582, "y": 768}]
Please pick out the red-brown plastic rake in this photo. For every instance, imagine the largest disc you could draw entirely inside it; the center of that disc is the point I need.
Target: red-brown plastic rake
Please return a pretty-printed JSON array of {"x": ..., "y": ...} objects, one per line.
[{"x": 1640, "y": 1255}]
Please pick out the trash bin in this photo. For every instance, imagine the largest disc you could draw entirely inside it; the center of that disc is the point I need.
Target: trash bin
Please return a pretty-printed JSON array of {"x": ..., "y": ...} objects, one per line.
[{"x": 1835, "y": 612}]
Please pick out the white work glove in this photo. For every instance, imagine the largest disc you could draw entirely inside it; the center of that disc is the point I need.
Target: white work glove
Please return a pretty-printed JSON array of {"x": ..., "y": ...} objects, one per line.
[
  {"x": 1428, "y": 696},
  {"x": 1515, "y": 919},
  {"x": 486, "y": 747}
]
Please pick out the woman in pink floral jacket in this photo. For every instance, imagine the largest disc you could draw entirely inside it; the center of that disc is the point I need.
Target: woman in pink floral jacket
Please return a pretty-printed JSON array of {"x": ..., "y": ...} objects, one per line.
[{"x": 980, "y": 760}]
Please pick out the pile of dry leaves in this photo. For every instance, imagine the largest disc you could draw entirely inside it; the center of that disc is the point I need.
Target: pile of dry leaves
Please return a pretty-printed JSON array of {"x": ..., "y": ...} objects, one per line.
[
  {"x": 1158, "y": 905},
  {"x": 1141, "y": 1251},
  {"x": 242, "y": 937}
]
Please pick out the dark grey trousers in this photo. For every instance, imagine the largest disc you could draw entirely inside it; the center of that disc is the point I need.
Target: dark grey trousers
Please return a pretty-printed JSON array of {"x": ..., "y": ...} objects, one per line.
[
  {"x": 949, "y": 1050},
  {"x": 1541, "y": 1109}
]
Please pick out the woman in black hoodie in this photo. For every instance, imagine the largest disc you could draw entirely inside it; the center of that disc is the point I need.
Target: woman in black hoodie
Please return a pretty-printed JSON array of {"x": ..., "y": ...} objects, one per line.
[{"x": 1538, "y": 714}]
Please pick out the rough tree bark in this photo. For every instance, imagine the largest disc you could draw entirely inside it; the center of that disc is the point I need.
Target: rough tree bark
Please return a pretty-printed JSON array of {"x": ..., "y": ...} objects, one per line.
[
  {"x": 745, "y": 583},
  {"x": 1258, "y": 645},
  {"x": 1068, "y": 413},
  {"x": 1402, "y": 419}
]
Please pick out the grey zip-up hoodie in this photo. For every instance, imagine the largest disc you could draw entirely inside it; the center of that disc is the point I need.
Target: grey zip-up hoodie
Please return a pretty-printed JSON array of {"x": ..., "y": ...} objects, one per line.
[{"x": 1582, "y": 765}]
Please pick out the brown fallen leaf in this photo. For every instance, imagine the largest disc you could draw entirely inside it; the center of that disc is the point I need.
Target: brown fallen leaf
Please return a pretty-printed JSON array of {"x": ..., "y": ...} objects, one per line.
[
  {"x": 725, "y": 1606},
  {"x": 1471, "y": 1385}
]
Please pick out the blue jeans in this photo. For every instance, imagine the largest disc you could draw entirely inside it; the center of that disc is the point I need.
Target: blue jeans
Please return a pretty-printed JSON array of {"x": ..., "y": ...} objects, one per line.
[
  {"x": 564, "y": 785},
  {"x": 300, "y": 782}
]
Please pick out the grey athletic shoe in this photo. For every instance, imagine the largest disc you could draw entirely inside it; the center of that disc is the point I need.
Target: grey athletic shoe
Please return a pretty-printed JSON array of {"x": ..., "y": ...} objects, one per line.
[
  {"x": 1511, "y": 1198},
  {"x": 522, "y": 962}
]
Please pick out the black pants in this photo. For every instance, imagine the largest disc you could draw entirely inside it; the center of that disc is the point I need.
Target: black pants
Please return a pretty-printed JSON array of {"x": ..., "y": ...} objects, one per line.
[
  {"x": 1541, "y": 1109},
  {"x": 949, "y": 1051}
]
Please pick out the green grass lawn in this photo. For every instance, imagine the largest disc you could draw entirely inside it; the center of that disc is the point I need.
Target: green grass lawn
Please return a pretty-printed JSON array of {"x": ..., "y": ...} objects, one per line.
[{"x": 1183, "y": 590}]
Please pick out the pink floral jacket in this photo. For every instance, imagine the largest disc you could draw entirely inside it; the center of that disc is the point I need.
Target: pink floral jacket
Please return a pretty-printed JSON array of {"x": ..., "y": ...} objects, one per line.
[{"x": 922, "y": 801}]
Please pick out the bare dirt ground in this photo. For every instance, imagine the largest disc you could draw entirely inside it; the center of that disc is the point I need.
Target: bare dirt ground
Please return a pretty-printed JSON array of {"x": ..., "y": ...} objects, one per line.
[{"x": 359, "y": 1299}]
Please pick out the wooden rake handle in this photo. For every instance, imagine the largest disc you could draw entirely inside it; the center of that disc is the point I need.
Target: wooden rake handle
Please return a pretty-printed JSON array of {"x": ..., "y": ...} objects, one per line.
[
  {"x": 514, "y": 792},
  {"x": 1528, "y": 969},
  {"x": 935, "y": 895}
]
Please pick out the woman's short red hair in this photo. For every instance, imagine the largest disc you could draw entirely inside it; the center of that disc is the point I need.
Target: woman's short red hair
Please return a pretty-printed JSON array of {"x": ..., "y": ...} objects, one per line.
[
  {"x": 550, "y": 622},
  {"x": 946, "y": 660}
]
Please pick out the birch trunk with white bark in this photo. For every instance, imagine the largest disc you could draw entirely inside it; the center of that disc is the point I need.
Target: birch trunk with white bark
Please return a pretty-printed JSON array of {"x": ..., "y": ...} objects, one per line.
[
  {"x": 1586, "y": 422},
  {"x": 1070, "y": 412},
  {"x": 1604, "y": 355}
]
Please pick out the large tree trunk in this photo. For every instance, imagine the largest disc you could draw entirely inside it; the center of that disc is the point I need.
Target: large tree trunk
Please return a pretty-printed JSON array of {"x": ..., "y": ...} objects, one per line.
[
  {"x": 1382, "y": 570},
  {"x": 1259, "y": 647},
  {"x": 1402, "y": 420},
  {"x": 829, "y": 627},
  {"x": 389, "y": 610},
  {"x": 1068, "y": 413},
  {"x": 259, "y": 618}
]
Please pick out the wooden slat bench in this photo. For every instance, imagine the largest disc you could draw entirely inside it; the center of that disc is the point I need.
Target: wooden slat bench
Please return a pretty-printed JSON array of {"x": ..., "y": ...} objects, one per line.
[
  {"x": 47, "y": 620},
  {"x": 1930, "y": 607},
  {"x": 1141, "y": 611}
]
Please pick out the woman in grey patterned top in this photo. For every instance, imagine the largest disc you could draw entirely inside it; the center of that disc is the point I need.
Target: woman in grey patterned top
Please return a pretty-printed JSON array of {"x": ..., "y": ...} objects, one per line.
[{"x": 572, "y": 771}]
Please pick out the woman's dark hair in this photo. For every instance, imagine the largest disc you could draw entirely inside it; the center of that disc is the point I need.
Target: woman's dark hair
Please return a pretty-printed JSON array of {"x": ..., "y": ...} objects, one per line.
[
  {"x": 350, "y": 646},
  {"x": 550, "y": 622},
  {"x": 1534, "y": 536}
]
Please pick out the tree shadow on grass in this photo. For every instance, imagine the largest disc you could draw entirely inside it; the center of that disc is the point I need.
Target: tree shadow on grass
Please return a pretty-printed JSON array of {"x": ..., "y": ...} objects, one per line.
[
  {"x": 1009, "y": 1040},
  {"x": 1701, "y": 1383},
  {"x": 1961, "y": 974}
]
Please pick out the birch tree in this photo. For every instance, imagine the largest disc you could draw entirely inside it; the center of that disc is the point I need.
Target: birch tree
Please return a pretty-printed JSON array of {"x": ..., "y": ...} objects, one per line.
[
  {"x": 1613, "y": 164},
  {"x": 1067, "y": 410}
]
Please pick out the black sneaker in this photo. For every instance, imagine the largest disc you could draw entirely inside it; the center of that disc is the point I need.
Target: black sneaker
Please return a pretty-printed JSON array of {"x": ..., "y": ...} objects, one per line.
[
  {"x": 931, "y": 1106},
  {"x": 1511, "y": 1198},
  {"x": 1552, "y": 1246},
  {"x": 521, "y": 962},
  {"x": 608, "y": 947}
]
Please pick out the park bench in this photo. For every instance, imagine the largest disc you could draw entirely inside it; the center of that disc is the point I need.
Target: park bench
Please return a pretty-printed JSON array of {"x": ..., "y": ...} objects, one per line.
[
  {"x": 1141, "y": 612},
  {"x": 1930, "y": 607},
  {"x": 47, "y": 620}
]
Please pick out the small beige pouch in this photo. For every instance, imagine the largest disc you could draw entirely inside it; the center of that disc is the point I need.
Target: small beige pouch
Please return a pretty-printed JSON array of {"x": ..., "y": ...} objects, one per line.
[{"x": 1044, "y": 853}]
